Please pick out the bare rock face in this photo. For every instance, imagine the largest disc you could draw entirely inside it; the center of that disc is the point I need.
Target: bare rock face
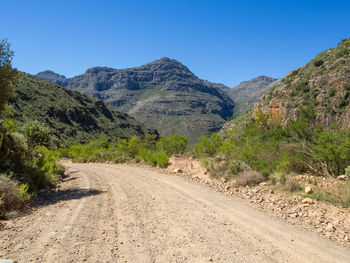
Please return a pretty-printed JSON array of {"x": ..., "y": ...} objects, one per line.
[
  {"x": 163, "y": 94},
  {"x": 323, "y": 83}
]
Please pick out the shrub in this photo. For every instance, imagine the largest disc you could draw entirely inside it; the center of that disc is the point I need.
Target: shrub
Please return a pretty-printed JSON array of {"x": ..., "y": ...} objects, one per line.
[
  {"x": 148, "y": 157},
  {"x": 341, "y": 53},
  {"x": 8, "y": 75},
  {"x": 208, "y": 146},
  {"x": 208, "y": 165},
  {"x": 343, "y": 102},
  {"x": 249, "y": 178},
  {"x": 173, "y": 144},
  {"x": 37, "y": 134},
  {"x": 332, "y": 151},
  {"x": 162, "y": 159},
  {"x": 8, "y": 192},
  {"x": 347, "y": 86},
  {"x": 291, "y": 185},
  {"x": 318, "y": 63},
  {"x": 347, "y": 171},
  {"x": 331, "y": 92},
  {"x": 344, "y": 194},
  {"x": 22, "y": 192}
]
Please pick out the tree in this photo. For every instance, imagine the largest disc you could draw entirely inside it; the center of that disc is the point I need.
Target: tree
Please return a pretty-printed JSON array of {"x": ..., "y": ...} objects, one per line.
[{"x": 8, "y": 75}]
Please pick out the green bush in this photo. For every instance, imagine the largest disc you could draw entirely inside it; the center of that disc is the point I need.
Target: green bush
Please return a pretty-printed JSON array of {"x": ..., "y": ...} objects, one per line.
[
  {"x": 148, "y": 157},
  {"x": 162, "y": 159},
  {"x": 347, "y": 86},
  {"x": 331, "y": 92},
  {"x": 173, "y": 144},
  {"x": 332, "y": 150},
  {"x": 341, "y": 53},
  {"x": 318, "y": 62},
  {"x": 208, "y": 146},
  {"x": 37, "y": 134},
  {"x": 23, "y": 193},
  {"x": 269, "y": 148}
]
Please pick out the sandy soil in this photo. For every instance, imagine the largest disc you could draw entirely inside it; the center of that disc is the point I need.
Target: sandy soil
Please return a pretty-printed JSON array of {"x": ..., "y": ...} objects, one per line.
[{"x": 121, "y": 213}]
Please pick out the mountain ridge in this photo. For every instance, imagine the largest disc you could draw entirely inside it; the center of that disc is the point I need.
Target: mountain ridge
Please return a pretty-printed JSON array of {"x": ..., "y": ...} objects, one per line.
[
  {"x": 163, "y": 94},
  {"x": 73, "y": 117},
  {"x": 248, "y": 92}
]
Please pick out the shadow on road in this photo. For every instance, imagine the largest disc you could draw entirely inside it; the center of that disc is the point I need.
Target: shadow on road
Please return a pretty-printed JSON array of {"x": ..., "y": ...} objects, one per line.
[{"x": 66, "y": 195}]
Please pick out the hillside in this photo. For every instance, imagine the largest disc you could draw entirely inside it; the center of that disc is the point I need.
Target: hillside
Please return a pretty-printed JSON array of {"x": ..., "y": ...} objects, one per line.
[
  {"x": 247, "y": 93},
  {"x": 163, "y": 94},
  {"x": 324, "y": 83},
  {"x": 73, "y": 117}
]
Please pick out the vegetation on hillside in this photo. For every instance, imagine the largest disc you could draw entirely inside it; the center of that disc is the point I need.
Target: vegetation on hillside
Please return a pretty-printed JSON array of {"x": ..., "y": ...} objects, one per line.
[
  {"x": 262, "y": 149},
  {"x": 324, "y": 82},
  {"x": 26, "y": 162},
  {"x": 150, "y": 150},
  {"x": 72, "y": 117}
]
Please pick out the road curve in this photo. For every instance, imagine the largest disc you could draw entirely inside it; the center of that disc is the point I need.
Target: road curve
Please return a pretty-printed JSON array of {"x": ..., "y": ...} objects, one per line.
[{"x": 122, "y": 213}]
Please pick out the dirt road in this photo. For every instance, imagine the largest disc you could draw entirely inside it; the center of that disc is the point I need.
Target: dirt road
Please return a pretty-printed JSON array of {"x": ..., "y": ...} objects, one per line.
[{"x": 120, "y": 213}]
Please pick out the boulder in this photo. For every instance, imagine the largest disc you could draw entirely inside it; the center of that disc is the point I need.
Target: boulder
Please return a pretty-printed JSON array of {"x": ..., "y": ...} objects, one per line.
[
  {"x": 308, "y": 190},
  {"x": 342, "y": 177},
  {"x": 177, "y": 170}
]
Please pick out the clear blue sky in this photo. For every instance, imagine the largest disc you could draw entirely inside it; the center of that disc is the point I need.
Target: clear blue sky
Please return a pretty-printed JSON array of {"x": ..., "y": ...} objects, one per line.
[{"x": 220, "y": 41}]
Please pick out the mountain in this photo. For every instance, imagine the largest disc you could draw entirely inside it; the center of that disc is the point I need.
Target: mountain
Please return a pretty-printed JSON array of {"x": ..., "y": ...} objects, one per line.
[
  {"x": 72, "y": 117},
  {"x": 247, "y": 93},
  {"x": 163, "y": 94},
  {"x": 53, "y": 77},
  {"x": 324, "y": 83}
]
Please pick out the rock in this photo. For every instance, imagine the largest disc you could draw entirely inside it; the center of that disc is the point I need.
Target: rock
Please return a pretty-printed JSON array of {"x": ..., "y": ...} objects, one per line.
[
  {"x": 177, "y": 170},
  {"x": 342, "y": 177},
  {"x": 271, "y": 191},
  {"x": 308, "y": 190},
  {"x": 330, "y": 228},
  {"x": 7, "y": 261},
  {"x": 264, "y": 183},
  {"x": 307, "y": 201}
]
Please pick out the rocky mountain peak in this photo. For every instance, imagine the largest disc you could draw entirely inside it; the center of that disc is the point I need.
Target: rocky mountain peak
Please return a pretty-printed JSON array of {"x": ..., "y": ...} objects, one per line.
[
  {"x": 163, "y": 94},
  {"x": 53, "y": 77}
]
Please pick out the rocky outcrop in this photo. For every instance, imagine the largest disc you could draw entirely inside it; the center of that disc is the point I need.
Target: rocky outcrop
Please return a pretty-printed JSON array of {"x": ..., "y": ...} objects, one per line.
[
  {"x": 163, "y": 94},
  {"x": 323, "y": 83}
]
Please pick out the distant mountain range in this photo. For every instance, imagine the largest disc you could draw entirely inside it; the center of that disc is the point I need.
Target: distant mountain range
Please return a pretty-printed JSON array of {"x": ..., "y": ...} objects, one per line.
[
  {"x": 166, "y": 95},
  {"x": 163, "y": 94},
  {"x": 247, "y": 93},
  {"x": 73, "y": 117}
]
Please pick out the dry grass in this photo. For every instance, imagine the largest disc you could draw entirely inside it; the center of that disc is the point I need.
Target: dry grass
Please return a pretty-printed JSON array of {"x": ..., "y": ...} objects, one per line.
[
  {"x": 8, "y": 194},
  {"x": 292, "y": 185},
  {"x": 250, "y": 178}
]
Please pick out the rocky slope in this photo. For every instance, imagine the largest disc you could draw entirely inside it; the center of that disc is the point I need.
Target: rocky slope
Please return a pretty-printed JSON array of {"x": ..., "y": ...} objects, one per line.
[
  {"x": 163, "y": 94},
  {"x": 324, "y": 83},
  {"x": 73, "y": 117},
  {"x": 247, "y": 93}
]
